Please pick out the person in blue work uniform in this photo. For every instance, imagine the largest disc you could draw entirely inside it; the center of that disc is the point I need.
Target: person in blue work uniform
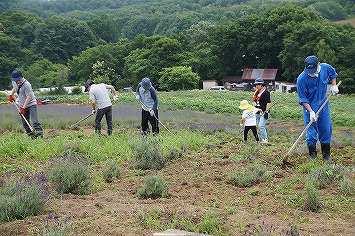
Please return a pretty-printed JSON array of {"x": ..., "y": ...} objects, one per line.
[
  {"x": 147, "y": 95},
  {"x": 312, "y": 86}
]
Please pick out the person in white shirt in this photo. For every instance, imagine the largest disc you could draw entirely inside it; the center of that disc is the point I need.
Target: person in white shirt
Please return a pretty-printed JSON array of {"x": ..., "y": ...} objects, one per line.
[
  {"x": 249, "y": 119},
  {"x": 100, "y": 97}
]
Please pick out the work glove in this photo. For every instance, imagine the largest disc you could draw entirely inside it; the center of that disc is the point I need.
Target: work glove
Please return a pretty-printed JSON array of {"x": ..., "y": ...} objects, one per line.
[
  {"x": 11, "y": 98},
  {"x": 334, "y": 89},
  {"x": 266, "y": 115},
  {"x": 22, "y": 111},
  {"x": 138, "y": 97},
  {"x": 312, "y": 116},
  {"x": 93, "y": 111},
  {"x": 152, "y": 113},
  {"x": 241, "y": 125},
  {"x": 115, "y": 98}
]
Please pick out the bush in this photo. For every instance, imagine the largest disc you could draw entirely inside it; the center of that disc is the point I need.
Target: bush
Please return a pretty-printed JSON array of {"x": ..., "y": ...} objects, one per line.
[
  {"x": 254, "y": 174},
  {"x": 328, "y": 175},
  {"x": 22, "y": 198},
  {"x": 70, "y": 174},
  {"x": 154, "y": 187},
  {"x": 147, "y": 155},
  {"x": 312, "y": 201},
  {"x": 111, "y": 171}
]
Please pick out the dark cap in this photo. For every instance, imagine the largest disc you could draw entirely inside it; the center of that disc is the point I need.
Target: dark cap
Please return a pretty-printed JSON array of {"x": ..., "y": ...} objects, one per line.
[
  {"x": 310, "y": 64},
  {"x": 16, "y": 75},
  {"x": 87, "y": 85}
]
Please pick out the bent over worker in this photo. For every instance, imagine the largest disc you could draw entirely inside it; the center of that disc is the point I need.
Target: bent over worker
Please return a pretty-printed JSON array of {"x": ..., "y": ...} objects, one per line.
[
  {"x": 99, "y": 96},
  {"x": 27, "y": 102},
  {"x": 312, "y": 86},
  {"x": 147, "y": 95}
]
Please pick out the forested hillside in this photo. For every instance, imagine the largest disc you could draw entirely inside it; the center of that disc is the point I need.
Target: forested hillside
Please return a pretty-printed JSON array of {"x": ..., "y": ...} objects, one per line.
[{"x": 66, "y": 42}]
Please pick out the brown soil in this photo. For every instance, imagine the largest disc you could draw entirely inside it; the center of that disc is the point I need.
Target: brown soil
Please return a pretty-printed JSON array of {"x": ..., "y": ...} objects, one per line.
[{"x": 197, "y": 184}]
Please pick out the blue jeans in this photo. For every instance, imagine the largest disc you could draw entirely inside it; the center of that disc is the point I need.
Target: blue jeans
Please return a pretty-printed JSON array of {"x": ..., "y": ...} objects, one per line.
[{"x": 261, "y": 122}]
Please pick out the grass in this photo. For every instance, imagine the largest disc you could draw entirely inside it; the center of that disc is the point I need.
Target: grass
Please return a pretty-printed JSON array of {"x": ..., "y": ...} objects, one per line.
[{"x": 195, "y": 143}]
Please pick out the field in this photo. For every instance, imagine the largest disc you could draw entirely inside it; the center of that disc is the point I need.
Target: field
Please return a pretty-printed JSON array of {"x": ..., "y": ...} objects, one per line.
[{"x": 205, "y": 157}]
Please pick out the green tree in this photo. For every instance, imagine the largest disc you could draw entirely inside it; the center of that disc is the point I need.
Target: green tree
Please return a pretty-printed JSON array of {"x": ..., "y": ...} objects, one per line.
[
  {"x": 105, "y": 28},
  {"x": 178, "y": 78},
  {"x": 113, "y": 54},
  {"x": 58, "y": 39}
]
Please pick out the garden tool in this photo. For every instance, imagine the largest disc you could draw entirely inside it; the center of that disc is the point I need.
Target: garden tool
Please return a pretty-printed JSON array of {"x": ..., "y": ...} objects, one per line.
[
  {"x": 81, "y": 120},
  {"x": 154, "y": 115},
  {"x": 285, "y": 161},
  {"x": 24, "y": 118}
]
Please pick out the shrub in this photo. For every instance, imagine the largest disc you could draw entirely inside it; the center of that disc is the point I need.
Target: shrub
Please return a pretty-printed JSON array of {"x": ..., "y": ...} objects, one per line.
[
  {"x": 254, "y": 174},
  {"x": 53, "y": 226},
  {"x": 154, "y": 187},
  {"x": 270, "y": 230},
  {"x": 147, "y": 155},
  {"x": 22, "y": 198},
  {"x": 347, "y": 186},
  {"x": 111, "y": 171},
  {"x": 70, "y": 174},
  {"x": 77, "y": 90},
  {"x": 312, "y": 201},
  {"x": 328, "y": 175}
]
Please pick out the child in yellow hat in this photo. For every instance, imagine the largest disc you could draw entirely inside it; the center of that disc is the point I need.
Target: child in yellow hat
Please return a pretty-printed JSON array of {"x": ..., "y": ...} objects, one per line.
[{"x": 249, "y": 119}]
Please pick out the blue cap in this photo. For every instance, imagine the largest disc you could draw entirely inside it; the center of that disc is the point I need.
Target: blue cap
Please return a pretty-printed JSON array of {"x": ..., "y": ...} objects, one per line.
[
  {"x": 259, "y": 81},
  {"x": 16, "y": 75},
  {"x": 87, "y": 85},
  {"x": 146, "y": 84},
  {"x": 310, "y": 64}
]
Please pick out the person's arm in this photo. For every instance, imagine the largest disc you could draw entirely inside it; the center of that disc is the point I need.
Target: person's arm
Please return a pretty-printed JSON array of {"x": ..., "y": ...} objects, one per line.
[
  {"x": 307, "y": 106},
  {"x": 113, "y": 90},
  {"x": 28, "y": 99}
]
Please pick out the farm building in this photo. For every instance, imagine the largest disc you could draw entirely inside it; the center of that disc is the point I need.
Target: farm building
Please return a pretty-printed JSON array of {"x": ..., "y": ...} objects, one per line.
[
  {"x": 285, "y": 86},
  {"x": 207, "y": 84},
  {"x": 268, "y": 75}
]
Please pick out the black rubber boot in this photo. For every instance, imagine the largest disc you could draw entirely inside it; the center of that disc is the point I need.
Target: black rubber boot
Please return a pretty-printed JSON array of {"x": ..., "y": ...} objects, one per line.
[
  {"x": 326, "y": 151},
  {"x": 312, "y": 152},
  {"x": 109, "y": 132}
]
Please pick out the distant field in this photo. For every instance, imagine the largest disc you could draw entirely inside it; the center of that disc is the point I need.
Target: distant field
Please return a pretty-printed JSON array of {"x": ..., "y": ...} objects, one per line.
[{"x": 349, "y": 21}]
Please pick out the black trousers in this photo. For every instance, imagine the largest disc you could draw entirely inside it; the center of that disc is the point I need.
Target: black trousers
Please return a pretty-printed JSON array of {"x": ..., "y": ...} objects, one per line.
[
  {"x": 107, "y": 111},
  {"x": 152, "y": 120},
  {"x": 253, "y": 129}
]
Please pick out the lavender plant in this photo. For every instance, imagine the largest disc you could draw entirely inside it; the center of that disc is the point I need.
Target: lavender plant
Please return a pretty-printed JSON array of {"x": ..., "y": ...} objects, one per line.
[
  {"x": 253, "y": 174},
  {"x": 271, "y": 230},
  {"x": 154, "y": 187},
  {"x": 53, "y": 226},
  {"x": 70, "y": 174},
  {"x": 111, "y": 171},
  {"x": 23, "y": 197}
]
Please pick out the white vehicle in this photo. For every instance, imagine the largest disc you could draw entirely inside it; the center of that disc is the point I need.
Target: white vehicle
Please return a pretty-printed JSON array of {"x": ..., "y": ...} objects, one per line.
[{"x": 217, "y": 88}]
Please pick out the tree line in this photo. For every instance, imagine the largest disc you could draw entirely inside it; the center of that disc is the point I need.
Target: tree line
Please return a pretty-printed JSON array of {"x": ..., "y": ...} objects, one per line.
[{"x": 60, "y": 50}]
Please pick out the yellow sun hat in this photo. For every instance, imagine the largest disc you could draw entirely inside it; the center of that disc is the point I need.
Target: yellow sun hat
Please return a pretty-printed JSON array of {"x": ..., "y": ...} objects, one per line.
[
  {"x": 250, "y": 108},
  {"x": 244, "y": 105}
]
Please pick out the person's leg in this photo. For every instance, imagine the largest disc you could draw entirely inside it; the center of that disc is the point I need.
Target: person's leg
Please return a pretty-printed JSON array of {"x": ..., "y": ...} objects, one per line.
[
  {"x": 108, "y": 115},
  {"x": 144, "y": 122},
  {"x": 24, "y": 123},
  {"x": 154, "y": 123},
  {"x": 35, "y": 120},
  {"x": 99, "y": 114},
  {"x": 246, "y": 129},
  {"x": 311, "y": 136},
  {"x": 255, "y": 132},
  {"x": 325, "y": 129},
  {"x": 261, "y": 124}
]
